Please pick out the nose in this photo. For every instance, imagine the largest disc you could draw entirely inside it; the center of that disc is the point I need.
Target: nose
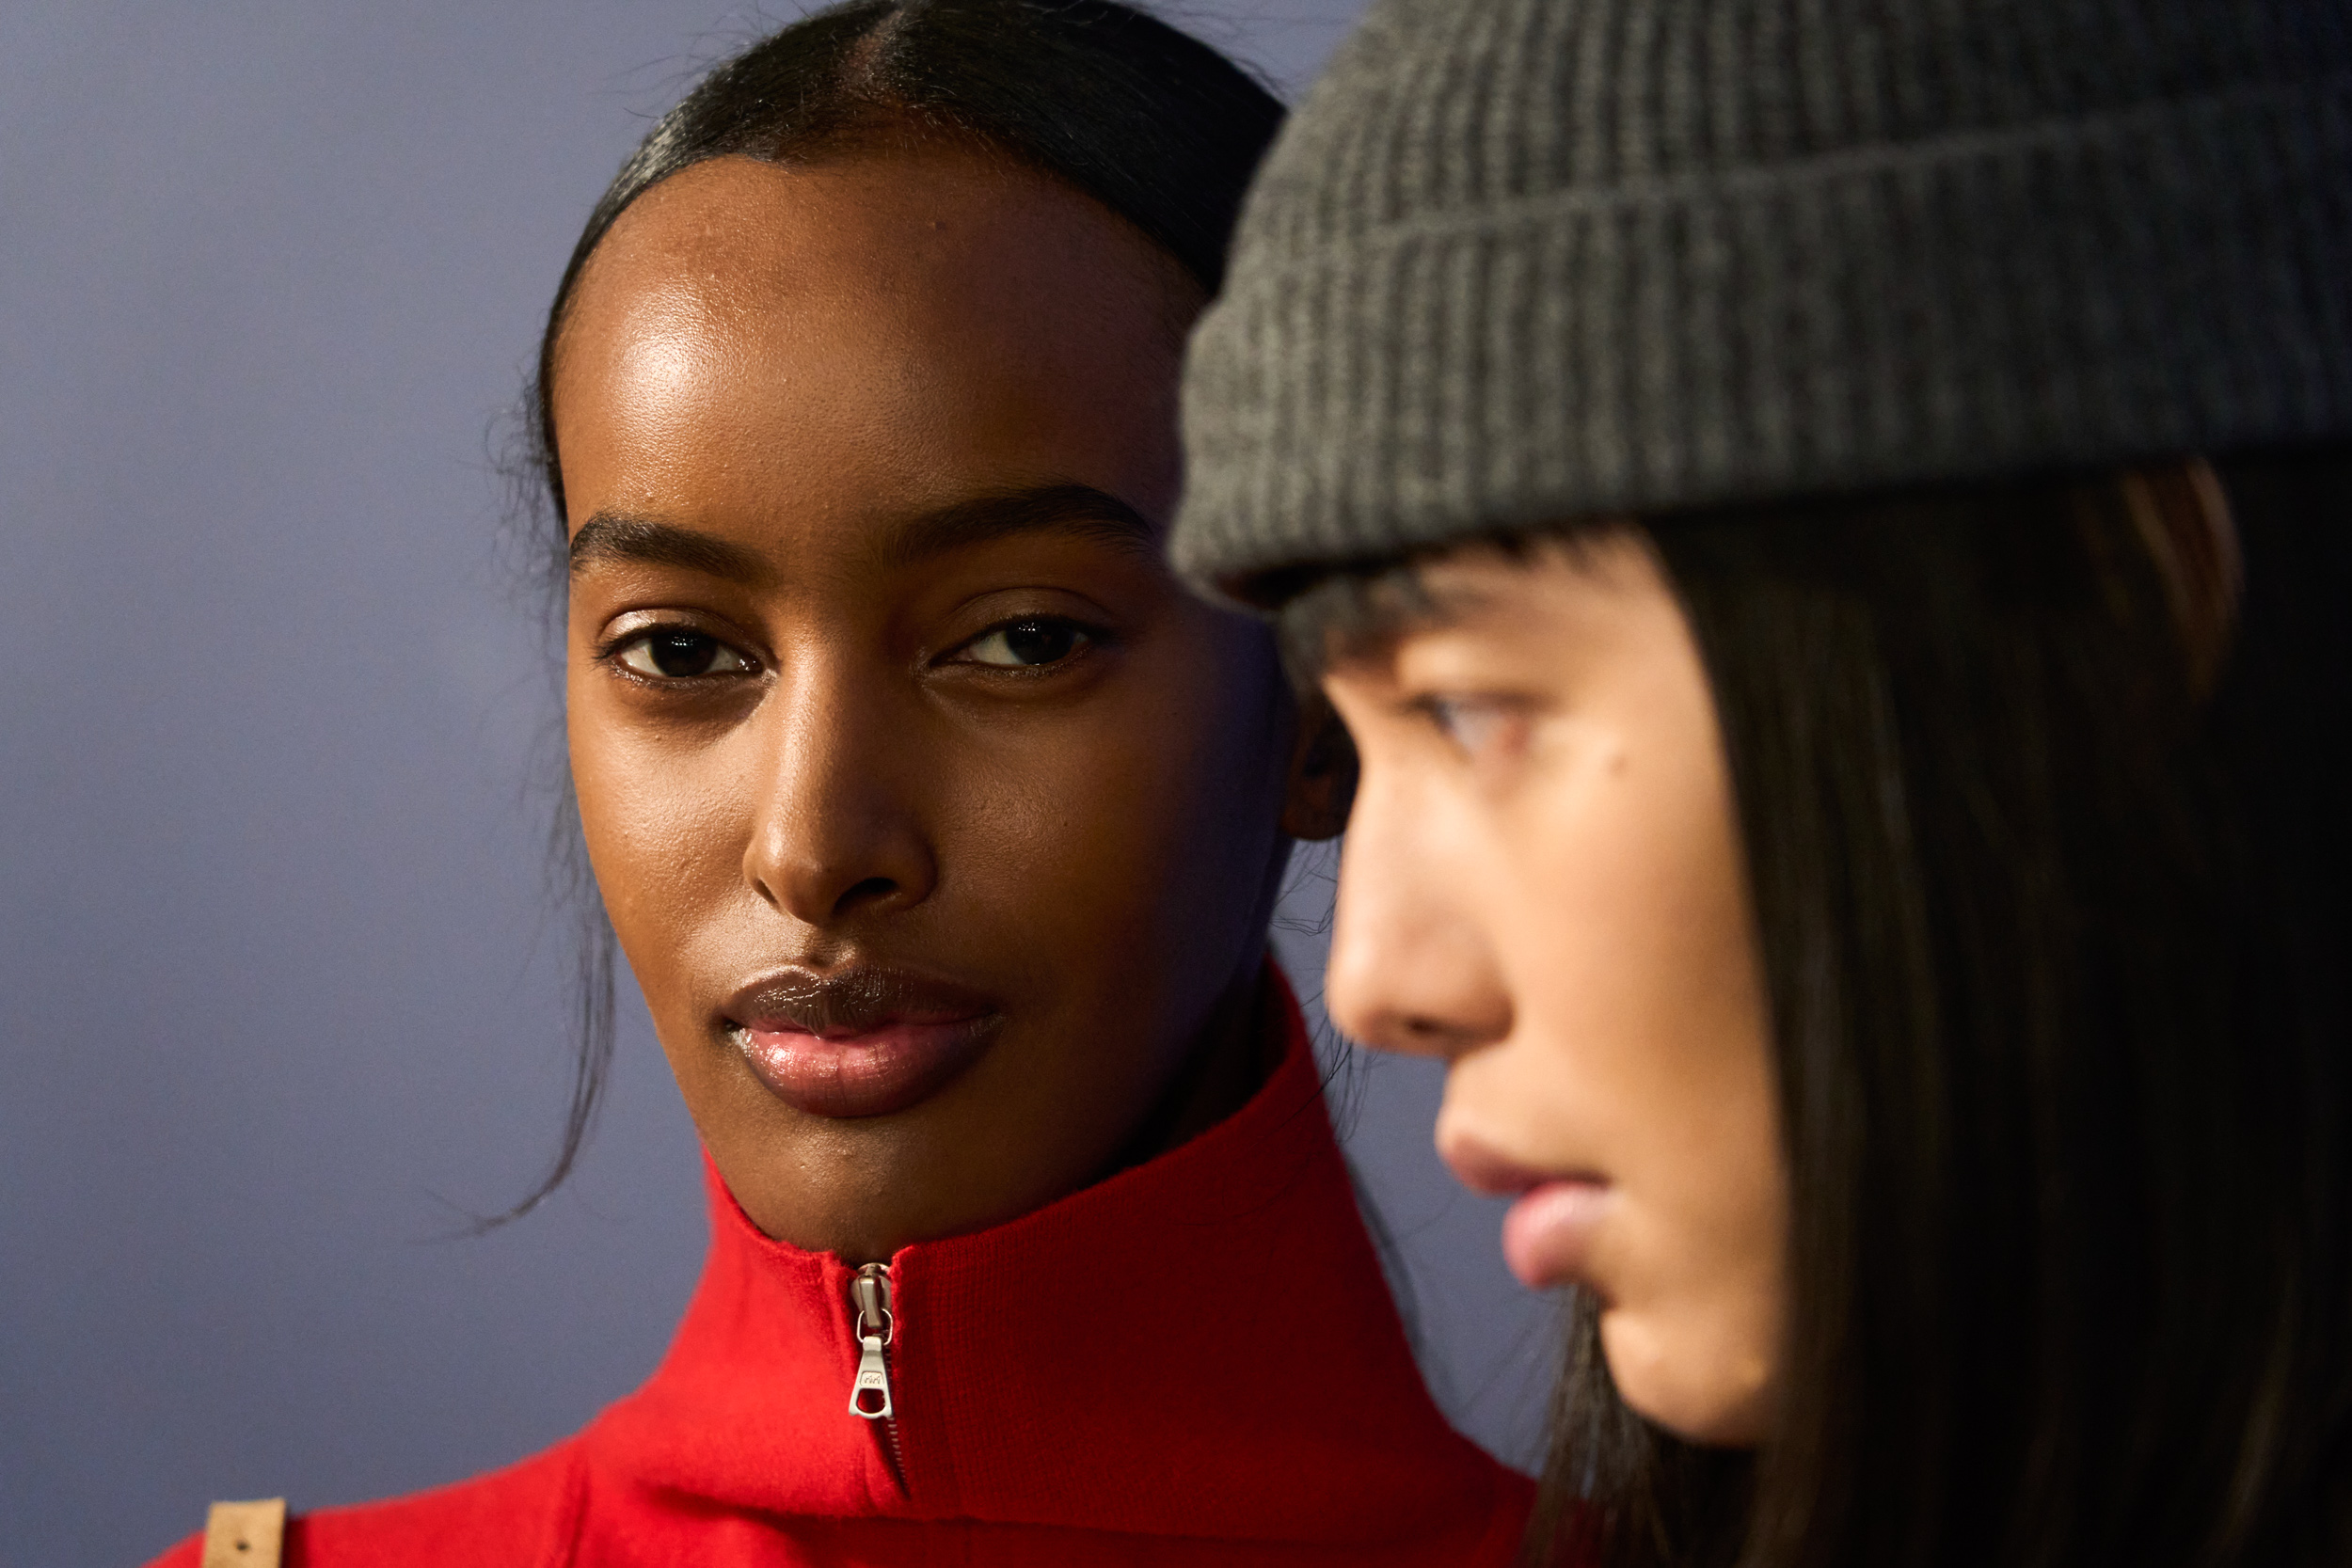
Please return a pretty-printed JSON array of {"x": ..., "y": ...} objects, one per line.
[
  {"x": 1411, "y": 969},
  {"x": 835, "y": 836}
]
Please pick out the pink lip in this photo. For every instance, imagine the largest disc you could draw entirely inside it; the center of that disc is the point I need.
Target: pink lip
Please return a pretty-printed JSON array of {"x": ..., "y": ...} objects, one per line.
[
  {"x": 857, "y": 1039},
  {"x": 871, "y": 1073},
  {"x": 1548, "y": 1234}
]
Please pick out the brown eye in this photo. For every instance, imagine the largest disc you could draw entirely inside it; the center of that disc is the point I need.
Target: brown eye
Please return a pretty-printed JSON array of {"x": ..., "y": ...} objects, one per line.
[
  {"x": 1025, "y": 644},
  {"x": 677, "y": 654}
]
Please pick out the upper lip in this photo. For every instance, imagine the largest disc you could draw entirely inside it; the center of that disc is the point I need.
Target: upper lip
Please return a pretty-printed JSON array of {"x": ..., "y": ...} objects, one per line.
[
  {"x": 849, "y": 999},
  {"x": 1482, "y": 1170}
]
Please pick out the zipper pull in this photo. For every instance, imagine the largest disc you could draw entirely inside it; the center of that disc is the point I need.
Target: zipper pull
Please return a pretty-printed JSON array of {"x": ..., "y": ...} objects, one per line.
[{"x": 869, "y": 1301}]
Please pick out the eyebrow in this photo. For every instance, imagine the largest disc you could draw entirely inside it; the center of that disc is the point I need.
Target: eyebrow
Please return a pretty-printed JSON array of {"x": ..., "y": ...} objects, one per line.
[
  {"x": 612, "y": 536},
  {"x": 1078, "y": 509}
]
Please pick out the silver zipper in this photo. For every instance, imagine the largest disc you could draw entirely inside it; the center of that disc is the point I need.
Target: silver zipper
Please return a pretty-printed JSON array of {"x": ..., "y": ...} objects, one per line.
[{"x": 869, "y": 1302}]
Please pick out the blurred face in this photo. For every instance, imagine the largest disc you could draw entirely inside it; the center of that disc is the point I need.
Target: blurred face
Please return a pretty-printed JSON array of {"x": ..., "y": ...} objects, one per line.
[
  {"x": 939, "y": 826},
  {"x": 1543, "y": 884}
]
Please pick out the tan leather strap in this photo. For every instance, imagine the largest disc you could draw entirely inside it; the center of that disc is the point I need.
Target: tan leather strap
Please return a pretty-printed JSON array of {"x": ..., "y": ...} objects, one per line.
[{"x": 245, "y": 1535}]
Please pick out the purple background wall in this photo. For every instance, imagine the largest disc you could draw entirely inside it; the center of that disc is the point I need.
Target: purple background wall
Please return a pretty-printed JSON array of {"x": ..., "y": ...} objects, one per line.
[{"x": 280, "y": 998}]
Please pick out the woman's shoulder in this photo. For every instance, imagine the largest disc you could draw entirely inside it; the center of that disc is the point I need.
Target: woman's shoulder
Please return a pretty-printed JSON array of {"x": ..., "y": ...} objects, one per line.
[{"x": 516, "y": 1515}]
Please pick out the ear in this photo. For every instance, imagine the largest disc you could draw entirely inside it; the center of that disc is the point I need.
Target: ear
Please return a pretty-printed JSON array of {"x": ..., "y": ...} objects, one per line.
[{"x": 1323, "y": 772}]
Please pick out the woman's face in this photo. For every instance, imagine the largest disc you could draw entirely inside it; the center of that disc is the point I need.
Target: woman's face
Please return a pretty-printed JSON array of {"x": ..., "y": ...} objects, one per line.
[
  {"x": 939, "y": 826},
  {"x": 1543, "y": 883}
]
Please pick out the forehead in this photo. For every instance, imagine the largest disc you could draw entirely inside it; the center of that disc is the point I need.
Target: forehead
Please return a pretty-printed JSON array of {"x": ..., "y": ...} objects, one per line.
[{"x": 903, "y": 323}]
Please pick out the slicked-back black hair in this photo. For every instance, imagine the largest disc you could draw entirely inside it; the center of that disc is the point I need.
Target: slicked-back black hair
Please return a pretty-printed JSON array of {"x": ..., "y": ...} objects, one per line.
[{"x": 1159, "y": 128}]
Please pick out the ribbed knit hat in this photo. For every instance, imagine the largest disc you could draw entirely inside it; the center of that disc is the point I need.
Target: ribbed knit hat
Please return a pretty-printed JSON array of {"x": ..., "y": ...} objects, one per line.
[{"x": 1517, "y": 260}]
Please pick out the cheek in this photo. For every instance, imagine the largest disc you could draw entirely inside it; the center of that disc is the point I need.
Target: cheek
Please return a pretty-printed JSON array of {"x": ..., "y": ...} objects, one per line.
[
  {"x": 1217, "y": 750},
  {"x": 1639, "y": 997},
  {"x": 665, "y": 827},
  {"x": 1631, "y": 953},
  {"x": 1137, "y": 826}
]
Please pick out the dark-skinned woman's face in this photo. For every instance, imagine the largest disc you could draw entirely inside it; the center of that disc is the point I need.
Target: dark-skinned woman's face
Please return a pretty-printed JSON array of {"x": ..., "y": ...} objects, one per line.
[{"x": 939, "y": 826}]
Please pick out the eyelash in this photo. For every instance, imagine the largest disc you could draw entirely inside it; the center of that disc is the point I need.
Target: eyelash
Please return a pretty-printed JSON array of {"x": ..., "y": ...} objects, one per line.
[
  {"x": 613, "y": 652},
  {"x": 1083, "y": 639}
]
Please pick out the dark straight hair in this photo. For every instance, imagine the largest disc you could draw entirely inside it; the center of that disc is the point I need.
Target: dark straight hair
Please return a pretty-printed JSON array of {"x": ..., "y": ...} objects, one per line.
[
  {"x": 2055, "y": 910},
  {"x": 1161, "y": 129}
]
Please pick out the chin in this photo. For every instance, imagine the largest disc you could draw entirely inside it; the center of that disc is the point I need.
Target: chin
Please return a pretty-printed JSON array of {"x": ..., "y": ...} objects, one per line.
[{"x": 1703, "y": 1393}]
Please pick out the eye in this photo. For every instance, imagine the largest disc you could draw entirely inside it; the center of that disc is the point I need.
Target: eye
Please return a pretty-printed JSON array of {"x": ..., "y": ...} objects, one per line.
[
  {"x": 1478, "y": 725},
  {"x": 674, "y": 652},
  {"x": 1026, "y": 644}
]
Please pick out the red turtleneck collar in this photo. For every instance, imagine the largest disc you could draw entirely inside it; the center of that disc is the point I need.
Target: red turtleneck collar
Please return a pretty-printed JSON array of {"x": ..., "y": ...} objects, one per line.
[{"x": 1196, "y": 1360}]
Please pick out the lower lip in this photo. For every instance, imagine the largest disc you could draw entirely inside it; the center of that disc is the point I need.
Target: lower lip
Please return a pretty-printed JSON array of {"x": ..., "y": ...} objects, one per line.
[
  {"x": 1548, "y": 1234},
  {"x": 882, "y": 1070}
]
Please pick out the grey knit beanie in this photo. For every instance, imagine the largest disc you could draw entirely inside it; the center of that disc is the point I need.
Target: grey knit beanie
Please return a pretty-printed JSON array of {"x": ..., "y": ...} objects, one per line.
[{"x": 1525, "y": 260}]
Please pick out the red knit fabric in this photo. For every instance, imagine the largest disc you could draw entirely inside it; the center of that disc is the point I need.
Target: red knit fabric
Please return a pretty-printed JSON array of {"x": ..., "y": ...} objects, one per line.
[{"x": 1195, "y": 1361}]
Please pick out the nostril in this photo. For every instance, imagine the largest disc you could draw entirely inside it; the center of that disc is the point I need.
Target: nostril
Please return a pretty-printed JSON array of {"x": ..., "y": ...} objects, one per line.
[
  {"x": 874, "y": 890},
  {"x": 1423, "y": 1035}
]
